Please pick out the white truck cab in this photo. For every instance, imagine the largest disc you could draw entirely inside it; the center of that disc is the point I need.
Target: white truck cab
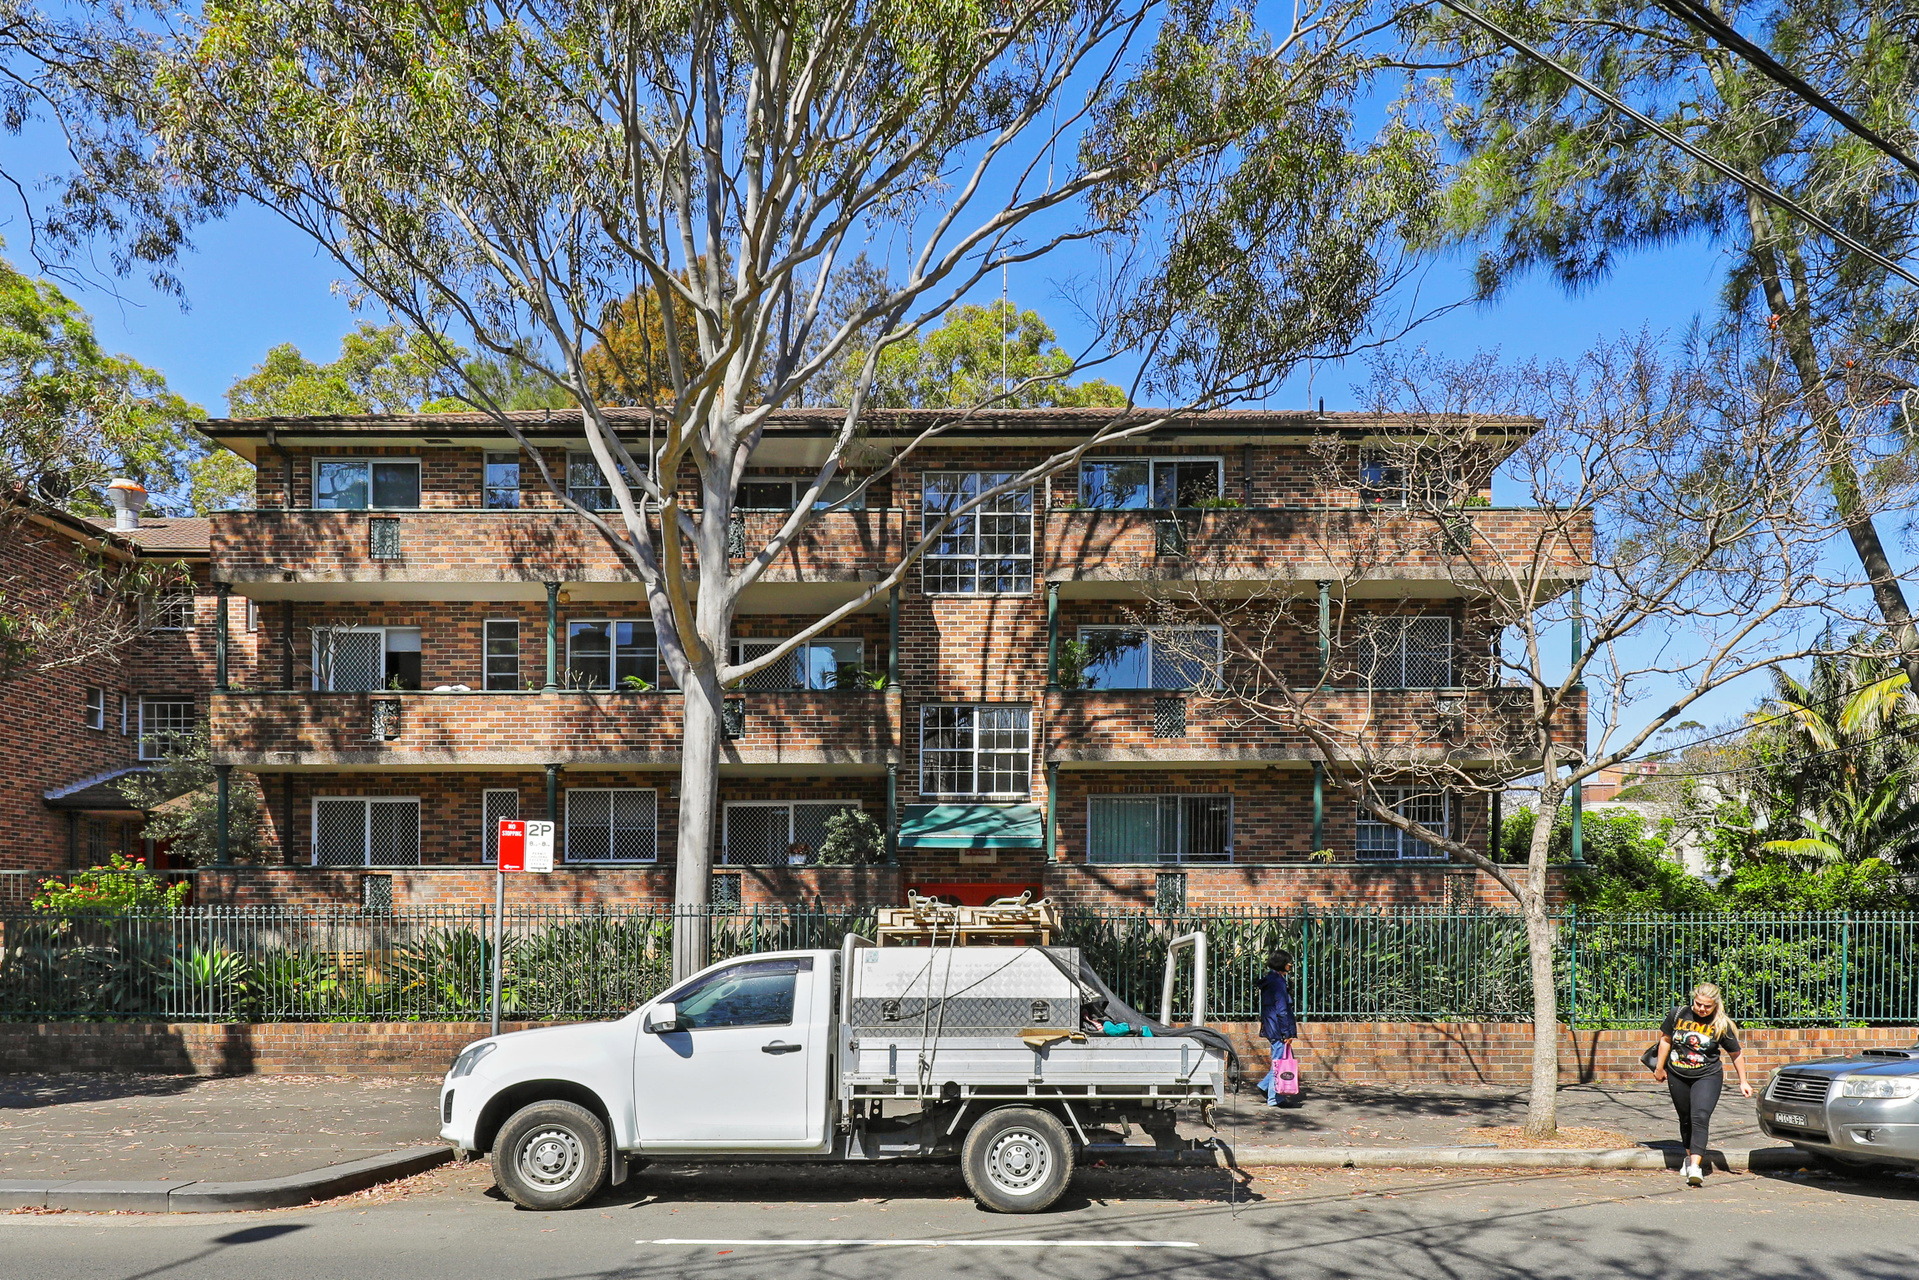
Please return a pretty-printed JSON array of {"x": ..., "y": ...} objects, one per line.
[{"x": 861, "y": 1054}]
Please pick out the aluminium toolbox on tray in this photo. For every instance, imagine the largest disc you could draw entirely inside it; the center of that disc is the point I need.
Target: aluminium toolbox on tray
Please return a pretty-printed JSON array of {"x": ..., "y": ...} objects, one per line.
[{"x": 962, "y": 991}]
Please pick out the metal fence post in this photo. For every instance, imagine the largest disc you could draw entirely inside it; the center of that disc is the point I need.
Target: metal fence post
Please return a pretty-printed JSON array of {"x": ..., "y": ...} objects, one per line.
[
  {"x": 1845, "y": 966},
  {"x": 1572, "y": 974}
]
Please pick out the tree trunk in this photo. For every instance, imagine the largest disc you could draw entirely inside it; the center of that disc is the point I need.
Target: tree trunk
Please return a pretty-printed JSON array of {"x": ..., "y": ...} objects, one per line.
[
  {"x": 699, "y": 810},
  {"x": 1542, "y": 1101}
]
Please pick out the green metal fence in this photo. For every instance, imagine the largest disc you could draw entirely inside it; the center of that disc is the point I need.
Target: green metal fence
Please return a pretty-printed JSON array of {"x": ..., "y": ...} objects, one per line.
[{"x": 560, "y": 964}]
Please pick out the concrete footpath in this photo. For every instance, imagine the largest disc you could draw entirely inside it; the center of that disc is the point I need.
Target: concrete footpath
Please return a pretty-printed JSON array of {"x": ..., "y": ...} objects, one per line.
[{"x": 172, "y": 1143}]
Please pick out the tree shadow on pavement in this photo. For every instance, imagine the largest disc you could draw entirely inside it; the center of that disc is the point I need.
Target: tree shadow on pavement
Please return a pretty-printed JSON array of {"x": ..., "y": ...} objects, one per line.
[{"x": 27, "y": 1092}]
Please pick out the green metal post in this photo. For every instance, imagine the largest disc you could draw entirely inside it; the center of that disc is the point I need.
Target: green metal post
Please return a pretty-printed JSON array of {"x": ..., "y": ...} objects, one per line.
[
  {"x": 892, "y": 815},
  {"x": 1325, "y": 628},
  {"x": 223, "y": 814},
  {"x": 893, "y": 638},
  {"x": 1052, "y": 810},
  {"x": 1319, "y": 806},
  {"x": 1572, "y": 971},
  {"x": 1305, "y": 959},
  {"x": 1579, "y": 630},
  {"x": 1579, "y": 812},
  {"x": 1845, "y": 966},
  {"x": 553, "y": 796},
  {"x": 552, "y": 636},
  {"x": 223, "y": 591},
  {"x": 1495, "y": 823},
  {"x": 1052, "y": 635}
]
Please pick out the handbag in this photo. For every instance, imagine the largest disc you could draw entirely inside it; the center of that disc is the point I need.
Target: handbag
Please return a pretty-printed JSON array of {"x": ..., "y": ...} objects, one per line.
[
  {"x": 1651, "y": 1058},
  {"x": 1285, "y": 1071}
]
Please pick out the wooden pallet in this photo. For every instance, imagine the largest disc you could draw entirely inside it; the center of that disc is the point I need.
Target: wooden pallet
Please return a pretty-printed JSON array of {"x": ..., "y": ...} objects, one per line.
[{"x": 1010, "y": 922}]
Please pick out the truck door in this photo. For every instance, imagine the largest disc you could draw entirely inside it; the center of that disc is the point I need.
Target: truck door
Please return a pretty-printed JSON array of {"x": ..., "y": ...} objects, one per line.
[{"x": 746, "y": 1070}]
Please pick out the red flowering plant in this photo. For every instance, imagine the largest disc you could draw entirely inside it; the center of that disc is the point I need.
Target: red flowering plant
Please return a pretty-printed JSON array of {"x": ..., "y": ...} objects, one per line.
[{"x": 123, "y": 887}]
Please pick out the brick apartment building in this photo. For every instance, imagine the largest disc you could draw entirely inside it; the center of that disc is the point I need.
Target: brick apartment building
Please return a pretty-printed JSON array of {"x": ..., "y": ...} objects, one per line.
[
  {"x": 76, "y": 733},
  {"x": 438, "y": 647}
]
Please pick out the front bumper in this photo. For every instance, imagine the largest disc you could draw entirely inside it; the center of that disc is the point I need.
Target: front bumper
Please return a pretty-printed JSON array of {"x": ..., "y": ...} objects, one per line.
[
  {"x": 460, "y": 1104},
  {"x": 1875, "y": 1129}
]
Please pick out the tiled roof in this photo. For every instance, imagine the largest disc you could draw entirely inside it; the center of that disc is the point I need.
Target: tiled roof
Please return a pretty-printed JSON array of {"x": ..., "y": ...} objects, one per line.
[{"x": 166, "y": 533}]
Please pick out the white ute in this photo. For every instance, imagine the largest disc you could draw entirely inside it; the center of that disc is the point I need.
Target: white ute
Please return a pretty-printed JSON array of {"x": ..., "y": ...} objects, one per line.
[{"x": 867, "y": 1053}]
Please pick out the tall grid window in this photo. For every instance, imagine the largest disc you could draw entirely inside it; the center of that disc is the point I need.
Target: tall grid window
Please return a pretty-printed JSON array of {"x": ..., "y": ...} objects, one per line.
[
  {"x": 502, "y": 481},
  {"x": 502, "y": 653},
  {"x": 1159, "y": 829},
  {"x": 366, "y": 831},
  {"x": 611, "y": 654},
  {"x": 989, "y": 550},
  {"x": 1150, "y": 657},
  {"x": 496, "y": 803},
  {"x": 777, "y": 833},
  {"x": 94, "y": 714},
  {"x": 1383, "y": 842},
  {"x": 612, "y": 824},
  {"x": 976, "y": 751},
  {"x": 165, "y": 726},
  {"x": 1407, "y": 653}
]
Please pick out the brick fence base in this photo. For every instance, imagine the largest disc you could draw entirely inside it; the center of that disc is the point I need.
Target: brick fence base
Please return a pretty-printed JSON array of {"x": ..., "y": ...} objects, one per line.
[{"x": 1380, "y": 1053}]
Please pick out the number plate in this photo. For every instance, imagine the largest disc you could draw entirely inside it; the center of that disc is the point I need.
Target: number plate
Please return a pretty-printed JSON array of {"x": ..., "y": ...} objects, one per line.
[{"x": 1789, "y": 1117}]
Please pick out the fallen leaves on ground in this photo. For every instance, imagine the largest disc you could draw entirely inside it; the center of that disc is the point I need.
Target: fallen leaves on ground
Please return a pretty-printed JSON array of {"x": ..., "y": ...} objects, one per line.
[{"x": 1574, "y": 1136}]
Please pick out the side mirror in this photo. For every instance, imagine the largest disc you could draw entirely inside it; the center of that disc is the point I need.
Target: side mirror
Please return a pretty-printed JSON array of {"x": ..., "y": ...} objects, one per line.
[{"x": 663, "y": 1018}]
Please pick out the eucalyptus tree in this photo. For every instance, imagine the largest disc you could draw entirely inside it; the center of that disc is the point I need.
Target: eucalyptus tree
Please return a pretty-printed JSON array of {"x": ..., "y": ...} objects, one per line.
[
  {"x": 501, "y": 173},
  {"x": 1553, "y": 178}
]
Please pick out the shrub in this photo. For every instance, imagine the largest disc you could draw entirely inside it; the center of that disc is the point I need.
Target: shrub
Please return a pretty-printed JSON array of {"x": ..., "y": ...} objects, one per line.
[{"x": 124, "y": 887}]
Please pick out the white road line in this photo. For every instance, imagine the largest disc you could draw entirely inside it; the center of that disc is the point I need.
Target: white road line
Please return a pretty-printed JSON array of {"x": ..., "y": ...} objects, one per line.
[{"x": 957, "y": 1244}]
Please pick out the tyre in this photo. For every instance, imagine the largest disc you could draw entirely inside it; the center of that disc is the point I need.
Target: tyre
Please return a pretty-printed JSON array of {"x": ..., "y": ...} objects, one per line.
[
  {"x": 551, "y": 1155},
  {"x": 1017, "y": 1160}
]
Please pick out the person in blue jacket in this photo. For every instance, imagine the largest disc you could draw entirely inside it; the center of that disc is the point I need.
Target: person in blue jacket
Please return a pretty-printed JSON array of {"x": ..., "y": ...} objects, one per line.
[{"x": 1277, "y": 1023}]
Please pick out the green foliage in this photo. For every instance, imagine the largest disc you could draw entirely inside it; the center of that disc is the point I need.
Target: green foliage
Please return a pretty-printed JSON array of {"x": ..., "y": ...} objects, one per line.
[
  {"x": 611, "y": 963},
  {"x": 123, "y": 887},
  {"x": 1074, "y": 655},
  {"x": 995, "y": 353},
  {"x": 181, "y": 799},
  {"x": 1775, "y": 885},
  {"x": 380, "y": 369},
  {"x": 852, "y": 839}
]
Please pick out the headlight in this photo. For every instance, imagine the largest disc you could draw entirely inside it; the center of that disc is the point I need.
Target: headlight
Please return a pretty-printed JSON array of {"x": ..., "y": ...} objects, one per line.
[
  {"x": 470, "y": 1058},
  {"x": 1869, "y": 1087}
]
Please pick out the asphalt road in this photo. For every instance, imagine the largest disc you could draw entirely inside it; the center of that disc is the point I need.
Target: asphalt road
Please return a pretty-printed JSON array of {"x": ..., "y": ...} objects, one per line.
[{"x": 836, "y": 1224}]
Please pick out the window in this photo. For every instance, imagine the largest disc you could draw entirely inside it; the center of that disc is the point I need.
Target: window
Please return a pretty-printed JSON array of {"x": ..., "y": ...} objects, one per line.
[
  {"x": 779, "y": 834},
  {"x": 502, "y": 638},
  {"x": 782, "y": 493},
  {"x": 496, "y": 803},
  {"x": 1150, "y": 657},
  {"x": 756, "y": 993},
  {"x": 357, "y": 484},
  {"x": 94, "y": 714},
  {"x": 253, "y": 615},
  {"x": 1383, "y": 842},
  {"x": 817, "y": 664},
  {"x": 1139, "y": 484},
  {"x": 975, "y": 751},
  {"x": 165, "y": 726},
  {"x": 608, "y": 654},
  {"x": 366, "y": 659},
  {"x": 586, "y": 483},
  {"x": 1427, "y": 476},
  {"x": 986, "y": 551},
  {"x": 170, "y": 613},
  {"x": 1382, "y": 482},
  {"x": 126, "y": 716},
  {"x": 502, "y": 481},
  {"x": 1159, "y": 829},
  {"x": 366, "y": 831},
  {"x": 1406, "y": 653},
  {"x": 611, "y": 824}
]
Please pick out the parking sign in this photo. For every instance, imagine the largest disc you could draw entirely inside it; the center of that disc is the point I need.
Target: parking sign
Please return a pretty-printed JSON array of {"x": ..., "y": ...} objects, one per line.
[{"x": 525, "y": 846}]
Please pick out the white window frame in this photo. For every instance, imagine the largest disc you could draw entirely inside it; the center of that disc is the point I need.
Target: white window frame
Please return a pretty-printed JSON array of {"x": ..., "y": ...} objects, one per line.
[
  {"x": 94, "y": 714},
  {"x": 1152, "y": 478},
  {"x": 366, "y": 804},
  {"x": 1405, "y": 846},
  {"x": 612, "y": 656},
  {"x": 929, "y": 518},
  {"x": 126, "y": 716},
  {"x": 176, "y": 611},
  {"x": 1372, "y": 630},
  {"x": 147, "y": 735},
  {"x": 746, "y": 648},
  {"x": 792, "y": 825},
  {"x": 1165, "y": 860},
  {"x": 486, "y": 653},
  {"x": 566, "y": 816},
  {"x": 490, "y": 820},
  {"x": 419, "y": 482},
  {"x": 317, "y": 665},
  {"x": 1219, "y": 650},
  {"x": 974, "y": 751},
  {"x": 488, "y": 488}
]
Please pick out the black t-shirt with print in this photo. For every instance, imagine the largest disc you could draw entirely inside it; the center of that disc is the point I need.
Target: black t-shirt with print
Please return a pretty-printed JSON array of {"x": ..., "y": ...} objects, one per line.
[{"x": 1695, "y": 1047}]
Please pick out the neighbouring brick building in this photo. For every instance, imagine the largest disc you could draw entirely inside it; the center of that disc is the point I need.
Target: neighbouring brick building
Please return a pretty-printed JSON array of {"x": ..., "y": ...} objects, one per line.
[
  {"x": 77, "y": 732},
  {"x": 439, "y": 647}
]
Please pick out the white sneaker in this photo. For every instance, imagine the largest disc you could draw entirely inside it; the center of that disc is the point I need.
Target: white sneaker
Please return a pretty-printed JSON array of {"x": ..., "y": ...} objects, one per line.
[{"x": 1695, "y": 1176}]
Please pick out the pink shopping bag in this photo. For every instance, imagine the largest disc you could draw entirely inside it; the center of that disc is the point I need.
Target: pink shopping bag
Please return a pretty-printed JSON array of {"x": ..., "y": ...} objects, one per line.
[{"x": 1285, "y": 1071}]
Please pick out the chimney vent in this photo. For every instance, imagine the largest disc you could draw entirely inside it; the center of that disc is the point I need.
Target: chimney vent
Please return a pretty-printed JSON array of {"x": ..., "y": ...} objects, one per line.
[{"x": 128, "y": 500}]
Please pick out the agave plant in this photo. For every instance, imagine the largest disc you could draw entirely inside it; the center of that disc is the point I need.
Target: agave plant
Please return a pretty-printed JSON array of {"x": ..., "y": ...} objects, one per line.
[
  {"x": 445, "y": 972},
  {"x": 210, "y": 982},
  {"x": 590, "y": 968}
]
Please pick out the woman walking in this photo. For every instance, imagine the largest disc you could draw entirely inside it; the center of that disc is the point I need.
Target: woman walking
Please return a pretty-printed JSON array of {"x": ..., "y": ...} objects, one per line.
[{"x": 1692, "y": 1041}]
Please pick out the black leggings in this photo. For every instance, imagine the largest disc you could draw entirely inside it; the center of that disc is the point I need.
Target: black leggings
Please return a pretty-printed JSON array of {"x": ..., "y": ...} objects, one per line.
[{"x": 1694, "y": 1100}]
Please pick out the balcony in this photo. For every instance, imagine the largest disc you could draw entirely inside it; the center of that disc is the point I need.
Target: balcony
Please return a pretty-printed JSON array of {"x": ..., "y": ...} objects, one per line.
[
  {"x": 1139, "y": 728},
  {"x": 799, "y": 731},
  {"x": 1099, "y": 553}
]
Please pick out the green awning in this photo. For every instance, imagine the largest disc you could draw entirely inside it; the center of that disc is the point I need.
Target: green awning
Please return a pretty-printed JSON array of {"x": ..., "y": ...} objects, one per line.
[{"x": 972, "y": 826}]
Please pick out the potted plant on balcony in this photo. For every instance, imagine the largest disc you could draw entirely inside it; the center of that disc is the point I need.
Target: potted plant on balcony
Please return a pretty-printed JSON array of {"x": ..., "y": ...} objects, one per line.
[
  {"x": 633, "y": 684},
  {"x": 852, "y": 839}
]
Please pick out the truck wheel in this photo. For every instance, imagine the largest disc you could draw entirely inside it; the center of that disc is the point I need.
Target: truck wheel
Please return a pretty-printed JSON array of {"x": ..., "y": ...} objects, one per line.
[
  {"x": 1017, "y": 1160},
  {"x": 550, "y": 1155}
]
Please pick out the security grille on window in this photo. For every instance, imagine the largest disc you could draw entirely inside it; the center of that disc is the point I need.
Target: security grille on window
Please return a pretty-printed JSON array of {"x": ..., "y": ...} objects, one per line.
[
  {"x": 817, "y": 664},
  {"x": 1169, "y": 893},
  {"x": 610, "y": 654},
  {"x": 383, "y": 538},
  {"x": 376, "y": 895},
  {"x": 496, "y": 803},
  {"x": 502, "y": 653},
  {"x": 725, "y": 893},
  {"x": 1169, "y": 717},
  {"x": 94, "y": 715},
  {"x": 170, "y": 613},
  {"x": 976, "y": 751},
  {"x": 1139, "y": 484},
  {"x": 778, "y": 834},
  {"x": 733, "y": 719},
  {"x": 383, "y": 719},
  {"x": 1159, "y": 829},
  {"x": 165, "y": 726},
  {"x": 366, "y": 659},
  {"x": 366, "y": 831},
  {"x": 502, "y": 481},
  {"x": 1150, "y": 657},
  {"x": 611, "y": 824},
  {"x": 586, "y": 484},
  {"x": 1406, "y": 653},
  {"x": 986, "y": 551},
  {"x": 360, "y": 484},
  {"x": 1383, "y": 842}
]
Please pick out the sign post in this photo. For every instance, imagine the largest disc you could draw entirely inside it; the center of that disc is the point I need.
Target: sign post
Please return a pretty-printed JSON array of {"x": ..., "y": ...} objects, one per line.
[{"x": 522, "y": 846}]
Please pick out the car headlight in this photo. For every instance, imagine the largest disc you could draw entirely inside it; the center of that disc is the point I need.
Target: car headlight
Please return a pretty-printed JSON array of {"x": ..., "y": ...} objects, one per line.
[
  {"x": 1869, "y": 1087},
  {"x": 470, "y": 1058}
]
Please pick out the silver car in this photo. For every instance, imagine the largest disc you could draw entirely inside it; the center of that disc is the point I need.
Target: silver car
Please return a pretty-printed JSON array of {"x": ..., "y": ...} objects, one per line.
[{"x": 1861, "y": 1110}]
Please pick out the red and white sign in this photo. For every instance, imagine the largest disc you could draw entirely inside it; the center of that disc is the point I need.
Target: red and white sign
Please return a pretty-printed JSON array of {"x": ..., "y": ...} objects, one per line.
[{"x": 525, "y": 846}]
